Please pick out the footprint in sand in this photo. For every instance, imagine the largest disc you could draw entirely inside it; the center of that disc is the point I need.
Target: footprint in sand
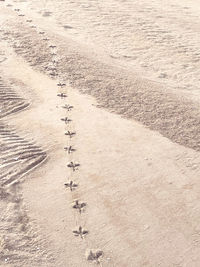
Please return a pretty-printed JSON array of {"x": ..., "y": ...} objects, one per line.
[
  {"x": 74, "y": 166},
  {"x": 68, "y": 107},
  {"x": 69, "y": 149},
  {"x": 66, "y": 120},
  {"x": 94, "y": 255},
  {"x": 61, "y": 84},
  {"x": 70, "y": 134},
  {"x": 81, "y": 232},
  {"x": 62, "y": 95},
  {"x": 67, "y": 27},
  {"x": 52, "y": 46},
  {"x": 79, "y": 206},
  {"x": 71, "y": 185},
  {"x": 47, "y": 14}
]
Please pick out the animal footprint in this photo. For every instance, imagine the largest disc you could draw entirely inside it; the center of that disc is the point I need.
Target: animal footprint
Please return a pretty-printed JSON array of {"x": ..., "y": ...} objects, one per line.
[
  {"x": 52, "y": 46},
  {"x": 68, "y": 107},
  {"x": 29, "y": 20},
  {"x": 61, "y": 84},
  {"x": 73, "y": 165},
  {"x": 70, "y": 134},
  {"x": 69, "y": 149},
  {"x": 81, "y": 232},
  {"x": 62, "y": 95},
  {"x": 51, "y": 69},
  {"x": 53, "y": 74},
  {"x": 41, "y": 32},
  {"x": 79, "y": 206},
  {"x": 94, "y": 255},
  {"x": 66, "y": 120},
  {"x": 71, "y": 185}
]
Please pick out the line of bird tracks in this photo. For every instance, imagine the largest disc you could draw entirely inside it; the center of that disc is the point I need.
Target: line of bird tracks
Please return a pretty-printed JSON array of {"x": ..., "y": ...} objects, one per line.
[
  {"x": 73, "y": 165},
  {"x": 17, "y": 150},
  {"x": 123, "y": 180}
]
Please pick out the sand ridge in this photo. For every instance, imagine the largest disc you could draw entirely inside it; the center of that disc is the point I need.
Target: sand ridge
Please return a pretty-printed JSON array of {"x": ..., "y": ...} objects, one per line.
[
  {"x": 17, "y": 158},
  {"x": 156, "y": 106}
]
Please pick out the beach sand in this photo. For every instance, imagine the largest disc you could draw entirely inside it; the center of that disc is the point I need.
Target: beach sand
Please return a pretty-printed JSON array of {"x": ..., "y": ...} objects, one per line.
[{"x": 123, "y": 78}]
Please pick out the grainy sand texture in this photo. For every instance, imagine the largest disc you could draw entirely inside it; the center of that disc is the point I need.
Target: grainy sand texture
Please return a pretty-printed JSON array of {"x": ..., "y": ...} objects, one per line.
[{"x": 99, "y": 133}]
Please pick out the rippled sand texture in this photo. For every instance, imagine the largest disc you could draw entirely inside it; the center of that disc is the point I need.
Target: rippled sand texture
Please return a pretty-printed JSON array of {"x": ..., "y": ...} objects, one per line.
[
  {"x": 159, "y": 39},
  {"x": 137, "y": 138},
  {"x": 18, "y": 156},
  {"x": 161, "y": 108}
]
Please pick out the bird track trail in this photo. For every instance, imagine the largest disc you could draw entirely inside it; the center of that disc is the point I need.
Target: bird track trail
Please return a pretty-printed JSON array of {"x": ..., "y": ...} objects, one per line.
[
  {"x": 133, "y": 194},
  {"x": 22, "y": 153},
  {"x": 160, "y": 108}
]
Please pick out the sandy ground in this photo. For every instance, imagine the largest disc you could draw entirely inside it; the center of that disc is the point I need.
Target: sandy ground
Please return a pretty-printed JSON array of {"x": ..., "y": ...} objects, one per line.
[{"x": 137, "y": 133}]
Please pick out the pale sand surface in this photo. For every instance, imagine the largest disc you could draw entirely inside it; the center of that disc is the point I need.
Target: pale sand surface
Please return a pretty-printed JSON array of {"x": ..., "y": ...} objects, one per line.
[{"x": 139, "y": 172}]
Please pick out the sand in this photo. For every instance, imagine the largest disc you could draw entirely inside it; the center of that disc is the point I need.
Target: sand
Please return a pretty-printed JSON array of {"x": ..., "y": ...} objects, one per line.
[{"x": 132, "y": 74}]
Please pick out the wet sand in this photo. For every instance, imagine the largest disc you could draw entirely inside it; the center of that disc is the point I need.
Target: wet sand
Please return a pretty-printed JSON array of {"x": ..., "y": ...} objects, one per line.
[{"x": 136, "y": 138}]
